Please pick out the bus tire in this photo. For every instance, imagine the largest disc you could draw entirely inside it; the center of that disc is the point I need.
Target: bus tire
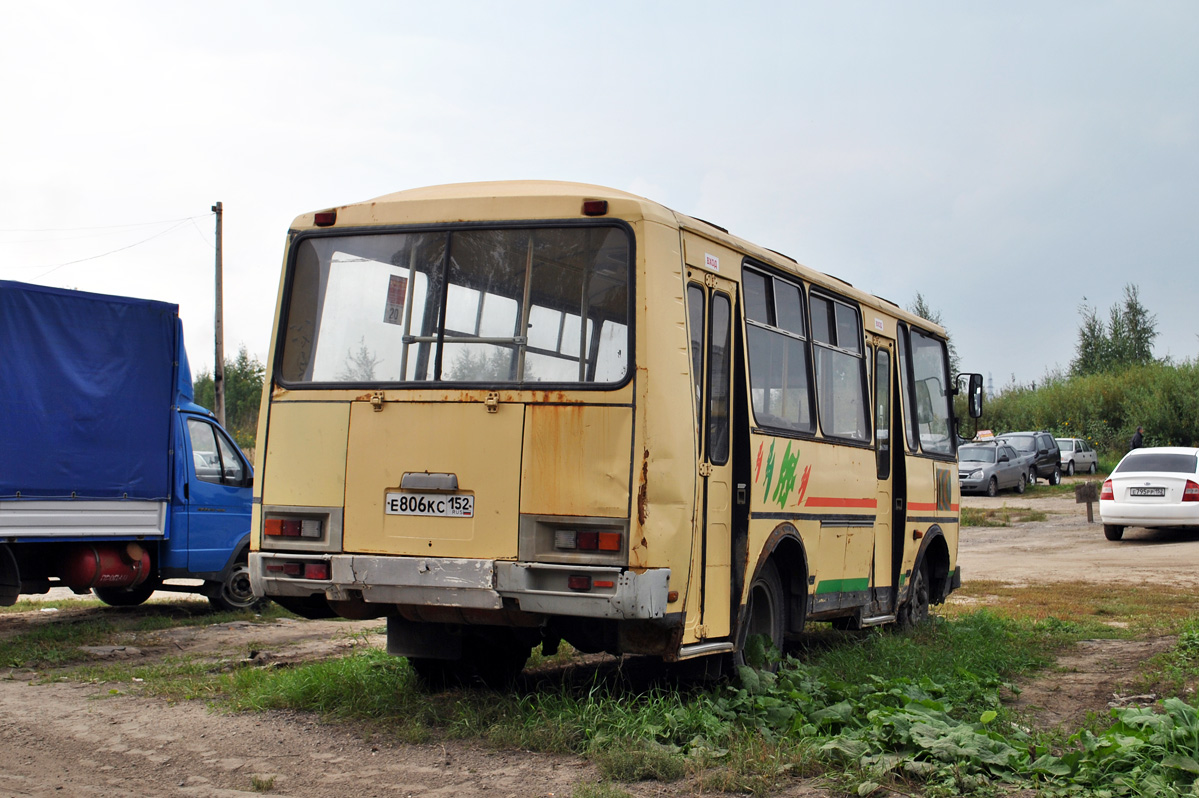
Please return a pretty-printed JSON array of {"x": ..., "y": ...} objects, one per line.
[
  {"x": 127, "y": 596},
  {"x": 765, "y": 615},
  {"x": 1113, "y": 531},
  {"x": 915, "y": 611}
]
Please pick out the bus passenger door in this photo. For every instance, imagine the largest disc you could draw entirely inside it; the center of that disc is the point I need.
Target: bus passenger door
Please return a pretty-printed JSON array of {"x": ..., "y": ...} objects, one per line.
[
  {"x": 710, "y": 309},
  {"x": 883, "y": 371}
]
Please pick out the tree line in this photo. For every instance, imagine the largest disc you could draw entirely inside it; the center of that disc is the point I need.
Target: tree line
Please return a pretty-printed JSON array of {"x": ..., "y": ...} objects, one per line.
[{"x": 243, "y": 394}]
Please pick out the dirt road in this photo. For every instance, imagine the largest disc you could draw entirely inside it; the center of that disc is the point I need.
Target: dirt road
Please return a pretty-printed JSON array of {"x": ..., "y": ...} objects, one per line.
[
  {"x": 1065, "y": 548},
  {"x": 91, "y": 740}
]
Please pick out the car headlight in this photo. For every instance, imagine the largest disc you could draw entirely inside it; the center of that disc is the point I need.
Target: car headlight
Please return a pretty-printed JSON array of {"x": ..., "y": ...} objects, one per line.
[{"x": 970, "y": 474}]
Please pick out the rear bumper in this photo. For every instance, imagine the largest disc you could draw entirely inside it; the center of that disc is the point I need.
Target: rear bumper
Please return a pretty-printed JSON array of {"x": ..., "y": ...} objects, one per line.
[
  {"x": 472, "y": 584},
  {"x": 1149, "y": 515}
]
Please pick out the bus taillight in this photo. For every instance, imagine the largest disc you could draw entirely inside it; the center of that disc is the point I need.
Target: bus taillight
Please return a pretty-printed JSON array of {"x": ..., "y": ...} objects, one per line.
[{"x": 587, "y": 540}]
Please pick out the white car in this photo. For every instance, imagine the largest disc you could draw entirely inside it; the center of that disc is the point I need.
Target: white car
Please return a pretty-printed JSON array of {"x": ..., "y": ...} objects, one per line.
[
  {"x": 1151, "y": 487},
  {"x": 1078, "y": 455}
]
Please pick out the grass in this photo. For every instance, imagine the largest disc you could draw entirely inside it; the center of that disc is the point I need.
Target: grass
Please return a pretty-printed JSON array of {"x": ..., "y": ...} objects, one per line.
[
  {"x": 1000, "y": 516},
  {"x": 58, "y": 642},
  {"x": 863, "y": 711},
  {"x": 1089, "y": 610}
]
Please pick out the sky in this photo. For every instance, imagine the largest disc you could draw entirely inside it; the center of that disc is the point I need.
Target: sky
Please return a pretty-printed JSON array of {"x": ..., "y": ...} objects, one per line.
[{"x": 1010, "y": 162}]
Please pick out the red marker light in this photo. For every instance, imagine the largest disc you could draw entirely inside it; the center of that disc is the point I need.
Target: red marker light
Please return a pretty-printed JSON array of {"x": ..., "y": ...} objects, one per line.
[
  {"x": 595, "y": 207},
  {"x": 316, "y": 570},
  {"x": 325, "y": 218},
  {"x": 581, "y": 583}
]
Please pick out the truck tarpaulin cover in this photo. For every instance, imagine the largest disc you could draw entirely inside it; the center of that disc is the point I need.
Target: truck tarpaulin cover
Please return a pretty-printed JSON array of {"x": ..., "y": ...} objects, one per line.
[{"x": 87, "y": 383}]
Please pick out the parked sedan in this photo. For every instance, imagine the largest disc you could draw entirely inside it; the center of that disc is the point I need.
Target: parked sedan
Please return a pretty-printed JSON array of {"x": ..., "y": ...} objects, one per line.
[
  {"x": 1151, "y": 487},
  {"x": 990, "y": 467},
  {"x": 1078, "y": 455}
]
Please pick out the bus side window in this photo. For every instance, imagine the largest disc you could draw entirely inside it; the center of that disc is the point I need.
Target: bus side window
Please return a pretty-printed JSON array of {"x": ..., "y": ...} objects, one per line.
[
  {"x": 718, "y": 379},
  {"x": 695, "y": 316}
]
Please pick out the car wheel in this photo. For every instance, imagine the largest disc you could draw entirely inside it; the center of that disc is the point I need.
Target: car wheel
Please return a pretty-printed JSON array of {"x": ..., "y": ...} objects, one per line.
[
  {"x": 1056, "y": 477},
  {"x": 1092, "y": 469},
  {"x": 1032, "y": 475},
  {"x": 1020, "y": 484},
  {"x": 993, "y": 487},
  {"x": 1113, "y": 532},
  {"x": 1070, "y": 468}
]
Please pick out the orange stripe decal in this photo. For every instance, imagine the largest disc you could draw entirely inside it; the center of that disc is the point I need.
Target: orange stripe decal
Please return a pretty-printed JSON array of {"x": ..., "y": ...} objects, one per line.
[{"x": 928, "y": 507}]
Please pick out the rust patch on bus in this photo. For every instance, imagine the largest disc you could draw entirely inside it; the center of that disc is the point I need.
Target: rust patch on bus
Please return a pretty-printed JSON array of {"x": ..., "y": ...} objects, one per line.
[{"x": 642, "y": 510}]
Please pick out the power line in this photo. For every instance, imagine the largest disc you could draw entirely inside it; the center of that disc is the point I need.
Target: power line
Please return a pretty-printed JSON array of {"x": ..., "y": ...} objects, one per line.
[
  {"x": 113, "y": 251},
  {"x": 102, "y": 227}
]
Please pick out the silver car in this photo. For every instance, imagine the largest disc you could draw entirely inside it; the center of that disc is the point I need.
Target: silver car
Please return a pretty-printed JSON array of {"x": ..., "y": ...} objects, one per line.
[
  {"x": 990, "y": 467},
  {"x": 1078, "y": 455}
]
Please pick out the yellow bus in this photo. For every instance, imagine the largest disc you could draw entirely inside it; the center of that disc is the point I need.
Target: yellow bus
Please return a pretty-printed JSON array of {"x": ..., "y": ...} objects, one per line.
[{"x": 510, "y": 414}]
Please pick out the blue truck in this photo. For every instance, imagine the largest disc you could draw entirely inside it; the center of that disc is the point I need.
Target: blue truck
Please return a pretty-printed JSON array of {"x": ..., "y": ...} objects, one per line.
[{"x": 112, "y": 479}]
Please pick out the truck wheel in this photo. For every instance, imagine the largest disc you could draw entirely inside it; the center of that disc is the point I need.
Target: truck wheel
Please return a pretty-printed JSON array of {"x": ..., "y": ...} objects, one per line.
[
  {"x": 1113, "y": 531},
  {"x": 235, "y": 593},
  {"x": 128, "y": 596},
  {"x": 915, "y": 612},
  {"x": 765, "y": 617}
]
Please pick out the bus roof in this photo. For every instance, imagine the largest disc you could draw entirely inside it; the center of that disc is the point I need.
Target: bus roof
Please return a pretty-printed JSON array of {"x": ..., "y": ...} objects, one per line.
[{"x": 494, "y": 200}]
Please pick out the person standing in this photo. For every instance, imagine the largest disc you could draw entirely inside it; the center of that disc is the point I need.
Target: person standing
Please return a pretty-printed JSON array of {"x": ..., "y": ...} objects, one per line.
[{"x": 1137, "y": 439}]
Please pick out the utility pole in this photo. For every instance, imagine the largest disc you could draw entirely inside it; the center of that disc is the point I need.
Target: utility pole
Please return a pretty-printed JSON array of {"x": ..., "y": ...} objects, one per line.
[{"x": 218, "y": 366}]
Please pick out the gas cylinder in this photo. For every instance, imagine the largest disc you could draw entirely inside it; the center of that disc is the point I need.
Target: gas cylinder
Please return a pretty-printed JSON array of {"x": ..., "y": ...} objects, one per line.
[{"x": 89, "y": 565}]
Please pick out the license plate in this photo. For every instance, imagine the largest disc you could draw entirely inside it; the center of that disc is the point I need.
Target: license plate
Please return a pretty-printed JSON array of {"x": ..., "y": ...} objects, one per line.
[
  {"x": 438, "y": 505},
  {"x": 1146, "y": 491}
]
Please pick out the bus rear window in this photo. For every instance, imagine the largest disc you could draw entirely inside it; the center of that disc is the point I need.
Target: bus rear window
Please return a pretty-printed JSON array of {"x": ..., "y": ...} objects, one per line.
[{"x": 510, "y": 305}]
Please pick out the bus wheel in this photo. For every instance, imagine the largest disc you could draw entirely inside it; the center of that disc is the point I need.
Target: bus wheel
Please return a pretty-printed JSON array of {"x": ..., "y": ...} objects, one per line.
[
  {"x": 915, "y": 612},
  {"x": 765, "y": 621},
  {"x": 127, "y": 596}
]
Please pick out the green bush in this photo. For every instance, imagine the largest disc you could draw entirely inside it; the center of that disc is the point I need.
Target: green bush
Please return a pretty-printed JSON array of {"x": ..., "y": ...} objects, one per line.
[{"x": 1105, "y": 409}]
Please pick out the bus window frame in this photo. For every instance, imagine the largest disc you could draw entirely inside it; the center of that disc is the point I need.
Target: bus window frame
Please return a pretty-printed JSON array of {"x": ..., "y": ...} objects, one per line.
[
  {"x": 862, "y": 355},
  {"x": 296, "y": 239},
  {"x": 907, "y": 389},
  {"x": 805, "y": 338}
]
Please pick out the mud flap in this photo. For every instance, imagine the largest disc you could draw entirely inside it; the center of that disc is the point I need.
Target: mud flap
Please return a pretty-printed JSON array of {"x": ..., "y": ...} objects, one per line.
[
  {"x": 10, "y": 577},
  {"x": 426, "y": 640}
]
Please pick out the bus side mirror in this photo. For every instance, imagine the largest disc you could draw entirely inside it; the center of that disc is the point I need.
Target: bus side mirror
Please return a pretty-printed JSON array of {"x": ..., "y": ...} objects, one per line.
[
  {"x": 975, "y": 397},
  {"x": 974, "y": 393}
]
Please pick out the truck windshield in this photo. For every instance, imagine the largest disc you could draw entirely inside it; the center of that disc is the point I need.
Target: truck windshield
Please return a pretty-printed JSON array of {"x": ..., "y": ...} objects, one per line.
[{"x": 508, "y": 305}]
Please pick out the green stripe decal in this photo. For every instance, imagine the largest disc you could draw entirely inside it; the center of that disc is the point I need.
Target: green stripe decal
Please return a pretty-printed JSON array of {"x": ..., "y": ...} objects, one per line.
[{"x": 842, "y": 585}]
